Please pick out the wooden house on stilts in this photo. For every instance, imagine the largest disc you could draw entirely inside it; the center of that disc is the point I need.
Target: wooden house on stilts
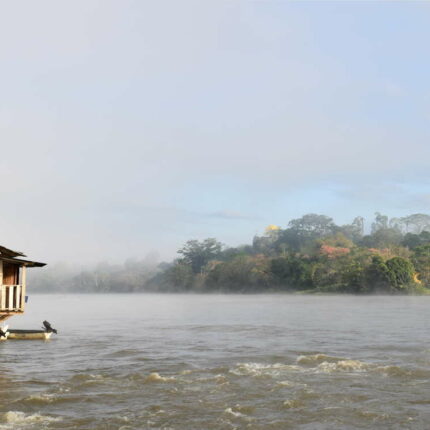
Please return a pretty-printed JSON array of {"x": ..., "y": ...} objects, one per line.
[{"x": 13, "y": 266}]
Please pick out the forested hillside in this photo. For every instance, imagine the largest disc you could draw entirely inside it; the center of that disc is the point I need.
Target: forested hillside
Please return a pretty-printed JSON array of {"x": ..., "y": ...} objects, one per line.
[{"x": 312, "y": 254}]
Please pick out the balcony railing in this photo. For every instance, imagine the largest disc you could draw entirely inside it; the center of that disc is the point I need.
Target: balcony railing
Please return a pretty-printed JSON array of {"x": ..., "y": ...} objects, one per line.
[{"x": 12, "y": 298}]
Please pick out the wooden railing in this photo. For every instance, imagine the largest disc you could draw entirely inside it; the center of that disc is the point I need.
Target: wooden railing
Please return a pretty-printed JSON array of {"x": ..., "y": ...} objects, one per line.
[{"x": 12, "y": 298}]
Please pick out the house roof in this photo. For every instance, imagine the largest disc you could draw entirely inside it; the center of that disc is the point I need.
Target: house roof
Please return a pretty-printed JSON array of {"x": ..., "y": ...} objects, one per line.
[
  {"x": 9, "y": 255},
  {"x": 22, "y": 262}
]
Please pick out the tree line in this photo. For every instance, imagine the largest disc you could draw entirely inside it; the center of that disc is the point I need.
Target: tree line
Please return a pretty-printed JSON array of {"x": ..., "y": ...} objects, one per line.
[{"x": 312, "y": 254}]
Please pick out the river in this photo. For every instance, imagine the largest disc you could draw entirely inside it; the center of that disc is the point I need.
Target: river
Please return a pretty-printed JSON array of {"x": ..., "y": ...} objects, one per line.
[{"x": 219, "y": 362}]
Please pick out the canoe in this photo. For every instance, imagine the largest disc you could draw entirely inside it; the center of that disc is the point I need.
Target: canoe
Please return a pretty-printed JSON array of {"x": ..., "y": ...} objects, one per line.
[{"x": 29, "y": 334}]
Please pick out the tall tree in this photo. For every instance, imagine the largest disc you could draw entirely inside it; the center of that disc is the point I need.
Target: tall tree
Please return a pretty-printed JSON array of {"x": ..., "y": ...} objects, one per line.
[
  {"x": 302, "y": 232},
  {"x": 314, "y": 224},
  {"x": 197, "y": 254},
  {"x": 416, "y": 223},
  {"x": 380, "y": 223}
]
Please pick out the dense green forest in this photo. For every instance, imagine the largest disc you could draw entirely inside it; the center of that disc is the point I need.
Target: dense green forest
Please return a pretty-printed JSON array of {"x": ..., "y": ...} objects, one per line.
[{"x": 312, "y": 254}]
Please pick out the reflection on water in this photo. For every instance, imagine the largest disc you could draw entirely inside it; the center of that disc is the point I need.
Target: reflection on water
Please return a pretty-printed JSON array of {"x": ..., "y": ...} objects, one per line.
[{"x": 219, "y": 362}]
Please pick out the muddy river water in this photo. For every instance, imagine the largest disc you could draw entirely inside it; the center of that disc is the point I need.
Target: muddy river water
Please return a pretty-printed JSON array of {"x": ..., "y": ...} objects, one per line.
[{"x": 219, "y": 362}]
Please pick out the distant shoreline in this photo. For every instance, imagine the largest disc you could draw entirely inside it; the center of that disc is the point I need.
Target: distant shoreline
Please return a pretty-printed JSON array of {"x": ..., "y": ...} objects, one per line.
[
  {"x": 229, "y": 293},
  {"x": 312, "y": 255}
]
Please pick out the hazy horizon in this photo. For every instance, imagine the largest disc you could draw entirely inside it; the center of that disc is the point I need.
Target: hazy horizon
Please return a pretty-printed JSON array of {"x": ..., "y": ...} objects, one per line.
[{"x": 130, "y": 127}]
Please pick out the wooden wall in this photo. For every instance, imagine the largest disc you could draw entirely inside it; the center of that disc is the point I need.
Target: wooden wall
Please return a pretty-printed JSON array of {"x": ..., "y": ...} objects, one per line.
[{"x": 10, "y": 274}]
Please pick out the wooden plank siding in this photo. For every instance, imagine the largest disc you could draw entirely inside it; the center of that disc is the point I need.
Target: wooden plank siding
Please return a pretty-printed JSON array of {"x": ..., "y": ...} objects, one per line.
[
  {"x": 10, "y": 274},
  {"x": 11, "y": 298},
  {"x": 11, "y": 290}
]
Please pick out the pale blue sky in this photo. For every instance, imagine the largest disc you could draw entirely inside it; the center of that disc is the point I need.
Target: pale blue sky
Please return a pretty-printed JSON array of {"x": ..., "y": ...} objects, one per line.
[{"x": 133, "y": 126}]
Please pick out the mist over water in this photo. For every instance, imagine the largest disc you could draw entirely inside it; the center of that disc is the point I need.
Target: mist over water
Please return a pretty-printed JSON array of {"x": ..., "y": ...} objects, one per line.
[{"x": 219, "y": 362}]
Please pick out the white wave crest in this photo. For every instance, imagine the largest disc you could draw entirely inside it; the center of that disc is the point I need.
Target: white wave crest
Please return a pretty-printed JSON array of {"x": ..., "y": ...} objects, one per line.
[
  {"x": 156, "y": 377},
  {"x": 41, "y": 398},
  {"x": 237, "y": 412},
  {"x": 259, "y": 369},
  {"x": 234, "y": 413},
  {"x": 314, "y": 359},
  {"x": 293, "y": 403},
  {"x": 343, "y": 366},
  {"x": 14, "y": 418}
]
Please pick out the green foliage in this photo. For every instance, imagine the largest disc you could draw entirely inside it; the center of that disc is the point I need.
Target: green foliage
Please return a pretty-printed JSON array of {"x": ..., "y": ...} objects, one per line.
[
  {"x": 231, "y": 253},
  {"x": 377, "y": 275},
  {"x": 336, "y": 240},
  {"x": 401, "y": 272},
  {"x": 243, "y": 273},
  {"x": 382, "y": 238},
  {"x": 302, "y": 232},
  {"x": 179, "y": 276},
  {"x": 313, "y": 225},
  {"x": 421, "y": 261},
  {"x": 337, "y": 273},
  {"x": 291, "y": 272},
  {"x": 311, "y": 254},
  {"x": 395, "y": 274},
  {"x": 412, "y": 240},
  {"x": 198, "y": 254},
  {"x": 353, "y": 277},
  {"x": 263, "y": 245}
]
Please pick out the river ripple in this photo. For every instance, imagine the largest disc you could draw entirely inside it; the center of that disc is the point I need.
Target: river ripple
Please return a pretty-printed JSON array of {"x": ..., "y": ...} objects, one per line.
[{"x": 219, "y": 362}]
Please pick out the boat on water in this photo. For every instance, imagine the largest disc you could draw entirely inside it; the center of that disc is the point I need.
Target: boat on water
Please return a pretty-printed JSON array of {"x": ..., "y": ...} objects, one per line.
[
  {"x": 23, "y": 334},
  {"x": 29, "y": 334}
]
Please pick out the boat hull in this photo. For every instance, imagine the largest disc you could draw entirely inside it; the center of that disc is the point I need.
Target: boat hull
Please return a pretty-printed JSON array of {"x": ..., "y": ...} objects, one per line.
[{"x": 29, "y": 335}]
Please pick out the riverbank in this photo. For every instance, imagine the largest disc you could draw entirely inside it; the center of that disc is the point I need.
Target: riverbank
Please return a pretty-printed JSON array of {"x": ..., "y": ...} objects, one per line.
[{"x": 312, "y": 254}]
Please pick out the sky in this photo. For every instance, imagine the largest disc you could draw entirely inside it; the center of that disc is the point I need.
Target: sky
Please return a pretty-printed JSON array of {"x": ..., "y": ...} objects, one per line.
[{"x": 129, "y": 127}]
